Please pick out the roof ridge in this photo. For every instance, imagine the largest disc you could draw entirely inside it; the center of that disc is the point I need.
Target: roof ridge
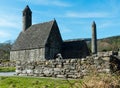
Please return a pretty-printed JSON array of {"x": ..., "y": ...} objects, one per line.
[{"x": 44, "y": 22}]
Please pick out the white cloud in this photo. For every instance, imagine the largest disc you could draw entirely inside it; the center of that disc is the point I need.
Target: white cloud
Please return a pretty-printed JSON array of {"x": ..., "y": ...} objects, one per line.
[
  {"x": 64, "y": 29},
  {"x": 87, "y": 15},
  {"x": 107, "y": 24},
  {"x": 59, "y": 3},
  {"x": 49, "y": 2},
  {"x": 10, "y": 21},
  {"x": 7, "y": 23},
  {"x": 104, "y": 25},
  {"x": 4, "y": 34}
]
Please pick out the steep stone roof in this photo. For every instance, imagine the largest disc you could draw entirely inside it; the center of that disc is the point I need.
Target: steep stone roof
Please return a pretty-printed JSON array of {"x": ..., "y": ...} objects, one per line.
[
  {"x": 34, "y": 37},
  {"x": 76, "y": 48},
  {"x": 27, "y": 9},
  {"x": 75, "y": 44}
]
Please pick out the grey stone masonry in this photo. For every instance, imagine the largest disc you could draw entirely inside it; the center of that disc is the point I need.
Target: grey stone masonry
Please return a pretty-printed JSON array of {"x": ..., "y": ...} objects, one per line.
[
  {"x": 69, "y": 68},
  {"x": 119, "y": 52},
  {"x": 94, "y": 38},
  {"x": 27, "y": 18}
]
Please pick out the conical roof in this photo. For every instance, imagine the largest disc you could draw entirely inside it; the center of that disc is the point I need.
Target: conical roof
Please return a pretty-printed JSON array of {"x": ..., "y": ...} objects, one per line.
[
  {"x": 93, "y": 24},
  {"x": 27, "y": 9}
]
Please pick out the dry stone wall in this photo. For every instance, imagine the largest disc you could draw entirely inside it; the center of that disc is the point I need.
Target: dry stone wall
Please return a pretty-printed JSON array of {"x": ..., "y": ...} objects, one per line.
[{"x": 69, "y": 68}]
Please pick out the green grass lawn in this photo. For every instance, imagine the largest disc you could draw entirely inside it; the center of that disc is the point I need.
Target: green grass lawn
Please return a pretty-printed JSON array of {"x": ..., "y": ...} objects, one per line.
[
  {"x": 30, "y": 82},
  {"x": 94, "y": 81},
  {"x": 7, "y": 69}
]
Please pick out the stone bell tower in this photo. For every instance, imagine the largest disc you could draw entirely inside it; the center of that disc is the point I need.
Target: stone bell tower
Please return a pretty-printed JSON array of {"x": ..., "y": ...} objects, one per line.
[
  {"x": 27, "y": 18},
  {"x": 94, "y": 39}
]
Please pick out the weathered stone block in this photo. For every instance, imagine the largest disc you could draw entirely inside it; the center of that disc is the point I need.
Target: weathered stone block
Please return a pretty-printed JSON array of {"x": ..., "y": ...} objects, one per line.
[
  {"x": 96, "y": 58},
  {"x": 67, "y": 70},
  {"x": 30, "y": 74},
  {"x": 119, "y": 53},
  {"x": 70, "y": 73},
  {"x": 56, "y": 72},
  {"x": 41, "y": 75},
  {"x": 72, "y": 67},
  {"x": 48, "y": 71},
  {"x": 106, "y": 70},
  {"x": 71, "y": 76},
  {"x": 23, "y": 75},
  {"x": 24, "y": 72},
  {"x": 53, "y": 65},
  {"x": 73, "y": 71},
  {"x": 36, "y": 74},
  {"x": 67, "y": 66},
  {"x": 29, "y": 71},
  {"x": 18, "y": 71},
  {"x": 106, "y": 58},
  {"x": 31, "y": 67},
  {"x": 73, "y": 61},
  {"x": 57, "y": 69},
  {"x": 59, "y": 65},
  {"x": 60, "y": 76},
  {"x": 18, "y": 63},
  {"x": 38, "y": 71},
  {"x": 67, "y": 61},
  {"x": 85, "y": 71}
]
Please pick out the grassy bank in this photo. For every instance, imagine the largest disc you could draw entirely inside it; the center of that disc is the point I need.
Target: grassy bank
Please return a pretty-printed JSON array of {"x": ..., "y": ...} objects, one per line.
[
  {"x": 92, "y": 81},
  {"x": 7, "y": 69},
  {"x": 30, "y": 82}
]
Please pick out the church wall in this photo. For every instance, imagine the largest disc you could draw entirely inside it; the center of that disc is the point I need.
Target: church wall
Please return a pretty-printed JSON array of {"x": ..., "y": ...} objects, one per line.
[
  {"x": 28, "y": 55},
  {"x": 50, "y": 52}
]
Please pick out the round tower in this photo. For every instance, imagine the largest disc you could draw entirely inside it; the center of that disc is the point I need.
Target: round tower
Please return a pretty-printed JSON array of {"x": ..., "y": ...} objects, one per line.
[
  {"x": 94, "y": 38},
  {"x": 27, "y": 18}
]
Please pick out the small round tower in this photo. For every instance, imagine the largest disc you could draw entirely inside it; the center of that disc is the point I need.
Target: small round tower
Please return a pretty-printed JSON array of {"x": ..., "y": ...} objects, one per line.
[
  {"x": 27, "y": 18},
  {"x": 94, "y": 38}
]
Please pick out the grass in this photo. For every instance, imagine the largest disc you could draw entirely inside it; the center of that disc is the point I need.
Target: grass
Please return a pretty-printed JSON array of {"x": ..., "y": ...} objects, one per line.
[
  {"x": 7, "y": 69},
  {"x": 30, "y": 82},
  {"x": 91, "y": 81}
]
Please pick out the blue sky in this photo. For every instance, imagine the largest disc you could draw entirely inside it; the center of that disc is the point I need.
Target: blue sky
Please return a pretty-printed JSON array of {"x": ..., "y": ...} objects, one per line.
[{"x": 74, "y": 17}]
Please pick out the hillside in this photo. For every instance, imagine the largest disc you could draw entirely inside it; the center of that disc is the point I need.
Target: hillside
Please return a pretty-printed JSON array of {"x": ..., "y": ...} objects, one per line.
[
  {"x": 5, "y": 50},
  {"x": 108, "y": 44}
]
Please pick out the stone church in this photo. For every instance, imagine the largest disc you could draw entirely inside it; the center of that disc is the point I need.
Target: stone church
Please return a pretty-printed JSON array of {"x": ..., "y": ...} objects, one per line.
[{"x": 43, "y": 41}]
